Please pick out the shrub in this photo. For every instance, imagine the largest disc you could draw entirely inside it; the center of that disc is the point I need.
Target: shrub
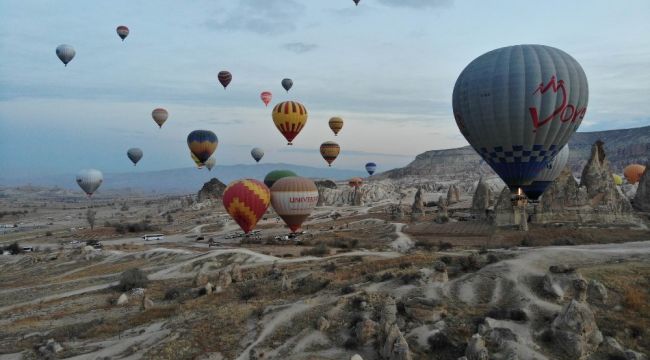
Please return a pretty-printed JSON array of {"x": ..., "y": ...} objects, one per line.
[
  {"x": 564, "y": 242},
  {"x": 386, "y": 276},
  {"x": 633, "y": 298},
  {"x": 247, "y": 291},
  {"x": 410, "y": 277},
  {"x": 438, "y": 341},
  {"x": 14, "y": 248},
  {"x": 444, "y": 246},
  {"x": 492, "y": 258},
  {"x": 424, "y": 245},
  {"x": 330, "y": 267},
  {"x": 446, "y": 259},
  {"x": 319, "y": 250},
  {"x": 404, "y": 265},
  {"x": 48, "y": 233},
  {"x": 174, "y": 293},
  {"x": 347, "y": 290},
  {"x": 133, "y": 278}
]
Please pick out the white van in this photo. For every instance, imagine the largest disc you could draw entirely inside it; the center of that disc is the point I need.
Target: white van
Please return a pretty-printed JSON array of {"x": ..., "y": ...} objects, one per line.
[{"x": 153, "y": 237}]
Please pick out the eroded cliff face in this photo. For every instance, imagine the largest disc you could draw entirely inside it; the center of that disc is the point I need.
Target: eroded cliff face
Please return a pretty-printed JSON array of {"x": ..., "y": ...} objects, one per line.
[
  {"x": 642, "y": 196},
  {"x": 213, "y": 189}
]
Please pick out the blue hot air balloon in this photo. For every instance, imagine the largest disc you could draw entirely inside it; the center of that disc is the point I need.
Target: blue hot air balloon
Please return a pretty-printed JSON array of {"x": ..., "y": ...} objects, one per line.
[
  {"x": 202, "y": 144},
  {"x": 518, "y": 106},
  {"x": 371, "y": 167}
]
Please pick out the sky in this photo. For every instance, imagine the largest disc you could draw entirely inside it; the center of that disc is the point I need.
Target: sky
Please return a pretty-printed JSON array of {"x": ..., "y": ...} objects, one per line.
[{"x": 387, "y": 67}]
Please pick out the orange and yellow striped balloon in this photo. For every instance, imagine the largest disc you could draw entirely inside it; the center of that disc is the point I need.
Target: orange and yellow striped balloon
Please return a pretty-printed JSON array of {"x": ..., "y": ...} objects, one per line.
[
  {"x": 330, "y": 150},
  {"x": 336, "y": 124},
  {"x": 289, "y": 117},
  {"x": 246, "y": 201}
]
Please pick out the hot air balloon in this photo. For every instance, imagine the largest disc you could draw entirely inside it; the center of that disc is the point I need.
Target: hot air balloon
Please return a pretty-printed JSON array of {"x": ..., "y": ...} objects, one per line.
[
  {"x": 257, "y": 154},
  {"x": 199, "y": 164},
  {"x": 355, "y": 182},
  {"x": 330, "y": 150},
  {"x": 225, "y": 77},
  {"x": 356, "y": 2},
  {"x": 518, "y": 106},
  {"x": 266, "y": 97},
  {"x": 618, "y": 180},
  {"x": 211, "y": 163},
  {"x": 545, "y": 177},
  {"x": 633, "y": 173},
  {"x": 287, "y": 84},
  {"x": 122, "y": 32},
  {"x": 202, "y": 144},
  {"x": 246, "y": 201},
  {"x": 371, "y": 167},
  {"x": 289, "y": 117},
  {"x": 159, "y": 115},
  {"x": 293, "y": 198},
  {"x": 336, "y": 124},
  {"x": 65, "y": 53},
  {"x": 89, "y": 180},
  {"x": 276, "y": 175},
  {"x": 135, "y": 154}
]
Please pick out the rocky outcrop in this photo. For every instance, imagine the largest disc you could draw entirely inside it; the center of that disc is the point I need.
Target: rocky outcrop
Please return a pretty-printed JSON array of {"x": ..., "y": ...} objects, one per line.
[
  {"x": 200, "y": 279},
  {"x": 224, "y": 279},
  {"x": 147, "y": 303},
  {"x": 394, "y": 345},
  {"x": 417, "y": 209},
  {"x": 481, "y": 200},
  {"x": 476, "y": 349},
  {"x": 213, "y": 189},
  {"x": 322, "y": 324},
  {"x": 286, "y": 283},
  {"x": 559, "y": 282},
  {"x": 596, "y": 292},
  {"x": 369, "y": 193},
  {"x": 122, "y": 300},
  {"x": 504, "y": 213},
  {"x": 443, "y": 214},
  {"x": 235, "y": 273},
  {"x": 366, "y": 331},
  {"x": 453, "y": 194},
  {"x": 642, "y": 196},
  {"x": 439, "y": 272}
]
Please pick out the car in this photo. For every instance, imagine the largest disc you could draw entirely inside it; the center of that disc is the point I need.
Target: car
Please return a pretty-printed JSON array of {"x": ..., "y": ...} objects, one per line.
[
  {"x": 213, "y": 243},
  {"x": 74, "y": 242}
]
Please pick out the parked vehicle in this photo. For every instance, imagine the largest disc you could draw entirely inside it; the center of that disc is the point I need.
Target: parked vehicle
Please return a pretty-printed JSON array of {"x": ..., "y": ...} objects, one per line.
[{"x": 153, "y": 237}]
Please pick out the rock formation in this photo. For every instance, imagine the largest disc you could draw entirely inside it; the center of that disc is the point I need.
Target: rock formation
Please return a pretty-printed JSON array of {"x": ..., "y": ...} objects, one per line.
[
  {"x": 235, "y": 273},
  {"x": 286, "y": 283},
  {"x": 224, "y": 279},
  {"x": 439, "y": 272},
  {"x": 481, "y": 200},
  {"x": 365, "y": 331},
  {"x": 147, "y": 303},
  {"x": 443, "y": 215},
  {"x": 504, "y": 212},
  {"x": 213, "y": 189},
  {"x": 476, "y": 349},
  {"x": 417, "y": 209},
  {"x": 200, "y": 279},
  {"x": 642, "y": 196},
  {"x": 453, "y": 194},
  {"x": 123, "y": 299},
  {"x": 322, "y": 324}
]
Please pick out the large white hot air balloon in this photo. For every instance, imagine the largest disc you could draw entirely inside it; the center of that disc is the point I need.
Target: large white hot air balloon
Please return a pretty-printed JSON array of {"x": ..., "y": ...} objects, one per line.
[
  {"x": 545, "y": 177},
  {"x": 89, "y": 180},
  {"x": 518, "y": 106},
  {"x": 65, "y": 53}
]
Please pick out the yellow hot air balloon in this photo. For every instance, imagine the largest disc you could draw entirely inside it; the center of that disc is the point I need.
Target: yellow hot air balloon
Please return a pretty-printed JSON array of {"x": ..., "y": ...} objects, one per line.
[
  {"x": 336, "y": 124},
  {"x": 618, "y": 180},
  {"x": 330, "y": 150},
  {"x": 289, "y": 117}
]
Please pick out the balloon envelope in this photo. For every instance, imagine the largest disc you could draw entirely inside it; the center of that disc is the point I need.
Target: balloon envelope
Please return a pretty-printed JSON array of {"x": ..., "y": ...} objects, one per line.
[
  {"x": 518, "y": 106},
  {"x": 336, "y": 124},
  {"x": 633, "y": 173},
  {"x": 135, "y": 154},
  {"x": 287, "y": 84},
  {"x": 202, "y": 144},
  {"x": 159, "y": 115},
  {"x": 122, "y": 32},
  {"x": 545, "y": 177},
  {"x": 89, "y": 180},
  {"x": 330, "y": 150},
  {"x": 225, "y": 77},
  {"x": 294, "y": 198},
  {"x": 356, "y": 2},
  {"x": 289, "y": 117},
  {"x": 257, "y": 154},
  {"x": 211, "y": 163},
  {"x": 266, "y": 97},
  {"x": 618, "y": 180},
  {"x": 197, "y": 162},
  {"x": 65, "y": 53},
  {"x": 246, "y": 201},
  {"x": 371, "y": 167},
  {"x": 276, "y": 175}
]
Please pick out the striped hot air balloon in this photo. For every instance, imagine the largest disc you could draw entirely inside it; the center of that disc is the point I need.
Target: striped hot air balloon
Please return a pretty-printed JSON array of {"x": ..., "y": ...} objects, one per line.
[
  {"x": 89, "y": 180},
  {"x": 330, "y": 150},
  {"x": 202, "y": 144},
  {"x": 134, "y": 154},
  {"x": 159, "y": 115},
  {"x": 518, "y": 106},
  {"x": 225, "y": 77},
  {"x": 246, "y": 201},
  {"x": 197, "y": 162},
  {"x": 355, "y": 182},
  {"x": 276, "y": 175},
  {"x": 65, "y": 53},
  {"x": 266, "y": 97},
  {"x": 294, "y": 198},
  {"x": 289, "y": 117},
  {"x": 336, "y": 124},
  {"x": 547, "y": 175},
  {"x": 633, "y": 173},
  {"x": 371, "y": 167},
  {"x": 122, "y": 32}
]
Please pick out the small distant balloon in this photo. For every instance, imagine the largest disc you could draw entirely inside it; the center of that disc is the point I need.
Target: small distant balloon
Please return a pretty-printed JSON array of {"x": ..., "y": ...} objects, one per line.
[
  {"x": 336, "y": 124},
  {"x": 330, "y": 150},
  {"x": 257, "y": 154},
  {"x": 371, "y": 167},
  {"x": 122, "y": 32},
  {"x": 159, "y": 115},
  {"x": 202, "y": 144},
  {"x": 135, "y": 154},
  {"x": 89, "y": 180},
  {"x": 65, "y": 53},
  {"x": 287, "y": 84},
  {"x": 225, "y": 77},
  {"x": 211, "y": 163},
  {"x": 356, "y": 2},
  {"x": 618, "y": 180},
  {"x": 266, "y": 97}
]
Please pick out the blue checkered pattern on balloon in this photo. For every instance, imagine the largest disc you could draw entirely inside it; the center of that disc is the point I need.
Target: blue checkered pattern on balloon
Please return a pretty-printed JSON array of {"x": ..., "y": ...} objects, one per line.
[{"x": 518, "y": 165}]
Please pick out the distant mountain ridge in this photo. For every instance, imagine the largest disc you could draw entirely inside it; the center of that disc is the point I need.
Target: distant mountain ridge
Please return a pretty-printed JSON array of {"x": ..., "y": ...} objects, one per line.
[{"x": 622, "y": 147}]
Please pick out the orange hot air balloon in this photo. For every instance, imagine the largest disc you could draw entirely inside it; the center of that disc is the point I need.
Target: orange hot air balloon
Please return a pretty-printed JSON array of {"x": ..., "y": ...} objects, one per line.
[
  {"x": 294, "y": 198},
  {"x": 355, "y": 182},
  {"x": 159, "y": 115},
  {"x": 266, "y": 97},
  {"x": 246, "y": 201},
  {"x": 289, "y": 117},
  {"x": 336, "y": 124},
  {"x": 633, "y": 173},
  {"x": 330, "y": 150}
]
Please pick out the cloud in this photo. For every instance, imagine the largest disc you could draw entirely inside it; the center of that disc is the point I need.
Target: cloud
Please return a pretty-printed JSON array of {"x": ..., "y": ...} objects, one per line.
[
  {"x": 265, "y": 17},
  {"x": 417, "y": 4},
  {"x": 299, "y": 47}
]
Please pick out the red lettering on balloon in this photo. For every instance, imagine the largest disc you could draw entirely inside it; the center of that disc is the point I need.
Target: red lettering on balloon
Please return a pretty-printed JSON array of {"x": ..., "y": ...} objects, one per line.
[{"x": 566, "y": 111}]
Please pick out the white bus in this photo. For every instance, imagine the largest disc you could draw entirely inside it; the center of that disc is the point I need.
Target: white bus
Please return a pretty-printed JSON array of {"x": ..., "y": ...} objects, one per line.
[{"x": 153, "y": 237}]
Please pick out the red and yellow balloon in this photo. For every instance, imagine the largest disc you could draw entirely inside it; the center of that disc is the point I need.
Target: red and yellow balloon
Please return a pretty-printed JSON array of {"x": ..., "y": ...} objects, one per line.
[{"x": 246, "y": 201}]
